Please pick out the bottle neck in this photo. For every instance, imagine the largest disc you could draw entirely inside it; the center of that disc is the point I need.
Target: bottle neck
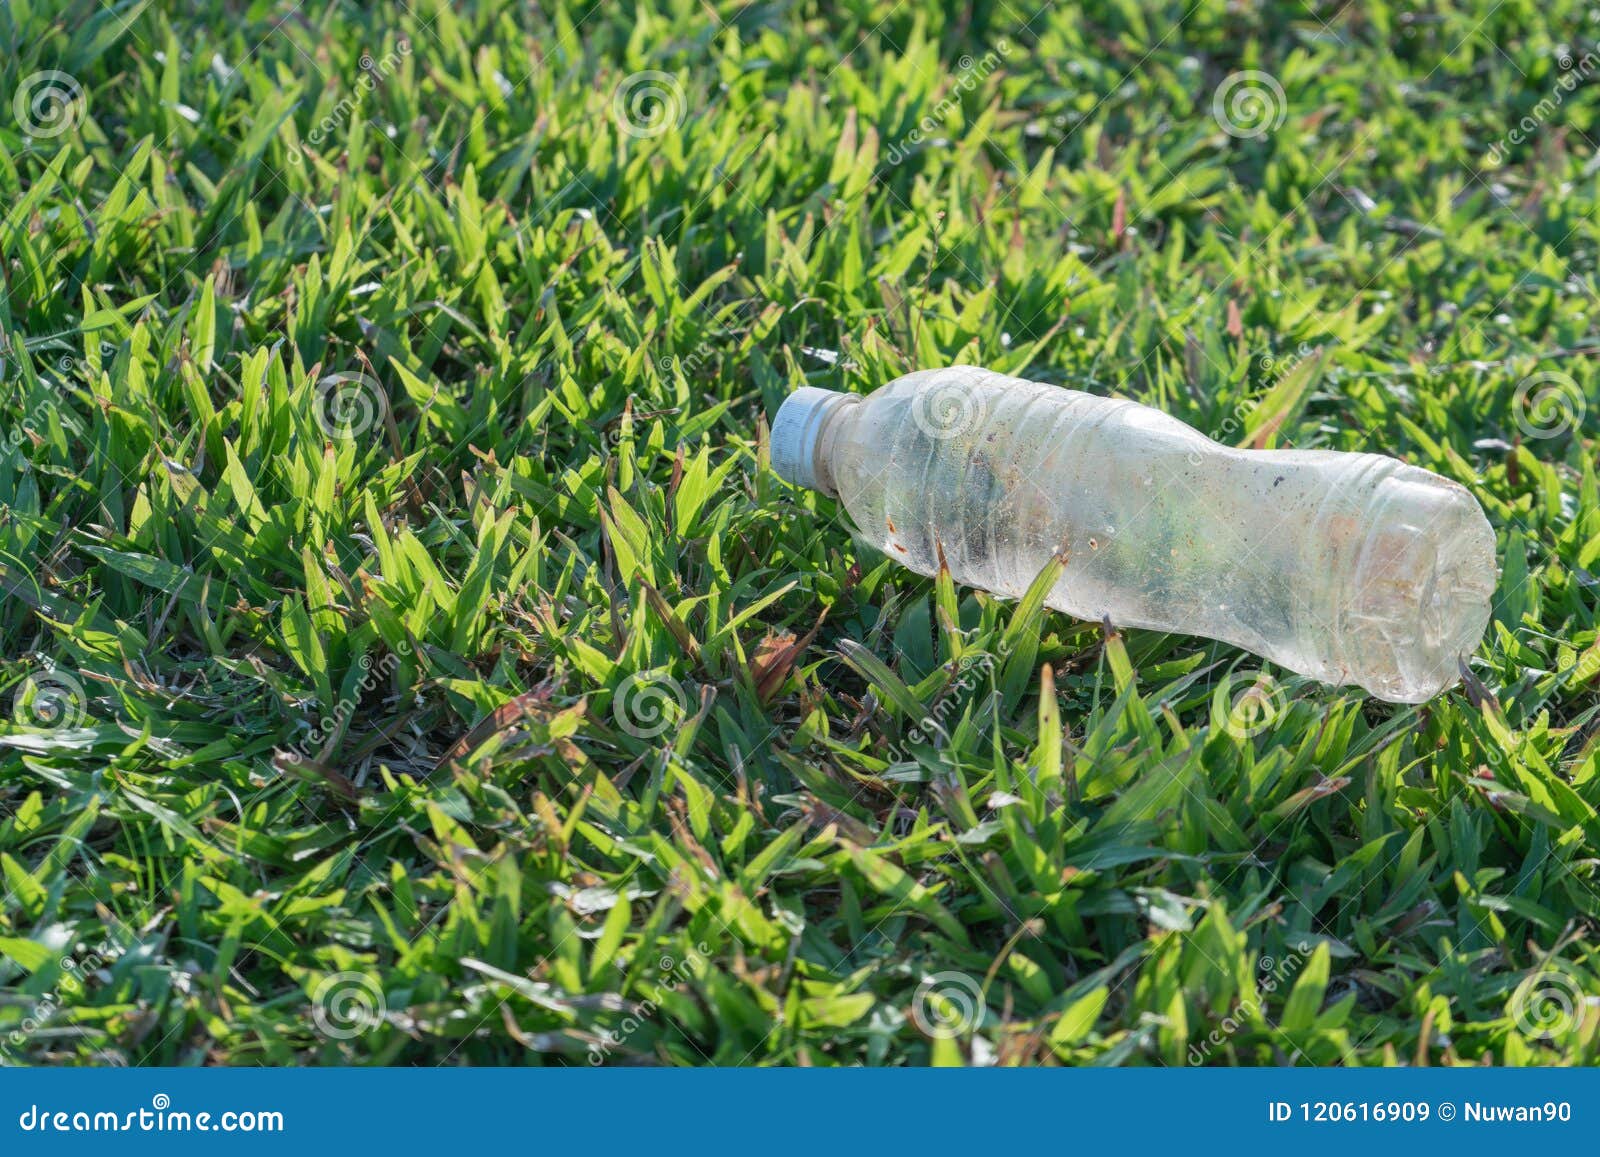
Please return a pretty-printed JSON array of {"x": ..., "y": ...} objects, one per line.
[
  {"x": 803, "y": 435},
  {"x": 832, "y": 425}
]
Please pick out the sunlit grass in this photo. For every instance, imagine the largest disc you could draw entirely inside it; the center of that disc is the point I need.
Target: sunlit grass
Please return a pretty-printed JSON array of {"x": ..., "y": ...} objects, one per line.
[{"x": 408, "y": 656}]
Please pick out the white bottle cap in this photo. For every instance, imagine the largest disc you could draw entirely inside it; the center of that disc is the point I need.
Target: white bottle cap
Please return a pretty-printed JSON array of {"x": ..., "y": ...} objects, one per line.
[{"x": 796, "y": 430}]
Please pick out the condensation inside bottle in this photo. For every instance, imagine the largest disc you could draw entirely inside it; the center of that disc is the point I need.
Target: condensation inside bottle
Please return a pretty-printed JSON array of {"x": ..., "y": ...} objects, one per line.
[{"x": 1351, "y": 568}]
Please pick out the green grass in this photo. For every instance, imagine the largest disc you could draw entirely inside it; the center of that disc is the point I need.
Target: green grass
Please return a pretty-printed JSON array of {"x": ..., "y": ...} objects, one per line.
[{"x": 407, "y": 656}]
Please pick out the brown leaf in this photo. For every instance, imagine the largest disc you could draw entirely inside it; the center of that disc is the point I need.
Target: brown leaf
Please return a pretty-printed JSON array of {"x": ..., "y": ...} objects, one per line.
[
  {"x": 500, "y": 719},
  {"x": 334, "y": 779},
  {"x": 675, "y": 626},
  {"x": 1472, "y": 687},
  {"x": 775, "y": 657},
  {"x": 1319, "y": 790}
]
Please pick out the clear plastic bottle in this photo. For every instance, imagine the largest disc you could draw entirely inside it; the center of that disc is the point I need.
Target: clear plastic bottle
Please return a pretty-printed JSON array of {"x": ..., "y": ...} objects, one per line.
[{"x": 1351, "y": 568}]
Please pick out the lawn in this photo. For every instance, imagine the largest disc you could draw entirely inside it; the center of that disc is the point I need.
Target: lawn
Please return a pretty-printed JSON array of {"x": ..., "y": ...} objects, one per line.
[{"x": 407, "y": 655}]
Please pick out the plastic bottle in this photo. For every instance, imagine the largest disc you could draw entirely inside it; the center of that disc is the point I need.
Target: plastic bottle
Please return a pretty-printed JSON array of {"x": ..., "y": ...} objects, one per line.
[{"x": 1351, "y": 568}]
